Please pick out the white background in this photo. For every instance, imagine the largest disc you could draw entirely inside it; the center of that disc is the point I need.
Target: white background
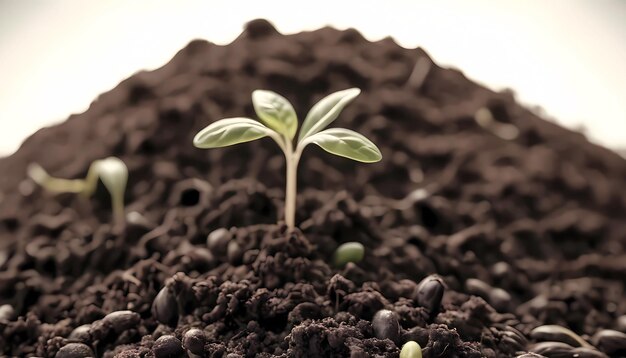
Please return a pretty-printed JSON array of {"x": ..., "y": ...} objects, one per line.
[{"x": 566, "y": 56}]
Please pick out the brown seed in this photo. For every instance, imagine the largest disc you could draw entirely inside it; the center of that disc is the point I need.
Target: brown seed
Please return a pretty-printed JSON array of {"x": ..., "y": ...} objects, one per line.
[
  {"x": 167, "y": 347},
  {"x": 385, "y": 325},
  {"x": 500, "y": 299},
  {"x": 81, "y": 333},
  {"x": 165, "y": 307},
  {"x": 194, "y": 341},
  {"x": 122, "y": 320},
  {"x": 562, "y": 350},
  {"x": 234, "y": 253},
  {"x": 429, "y": 293},
  {"x": 75, "y": 350},
  {"x": 610, "y": 342},
  {"x": 477, "y": 287},
  {"x": 217, "y": 241},
  {"x": 556, "y": 333}
]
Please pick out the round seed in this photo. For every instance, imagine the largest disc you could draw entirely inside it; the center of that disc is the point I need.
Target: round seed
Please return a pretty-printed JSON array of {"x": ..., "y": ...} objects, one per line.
[
  {"x": 167, "y": 347},
  {"x": 217, "y": 241},
  {"x": 194, "y": 341}
]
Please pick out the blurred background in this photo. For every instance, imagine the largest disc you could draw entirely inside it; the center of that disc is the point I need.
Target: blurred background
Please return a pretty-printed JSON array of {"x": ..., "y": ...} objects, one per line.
[{"x": 563, "y": 58}]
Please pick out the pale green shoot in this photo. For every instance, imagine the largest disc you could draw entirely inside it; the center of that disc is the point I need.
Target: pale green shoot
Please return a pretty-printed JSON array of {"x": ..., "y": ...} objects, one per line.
[
  {"x": 279, "y": 122},
  {"x": 112, "y": 171}
]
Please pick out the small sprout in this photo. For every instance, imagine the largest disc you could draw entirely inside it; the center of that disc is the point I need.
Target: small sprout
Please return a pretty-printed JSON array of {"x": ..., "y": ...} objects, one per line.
[
  {"x": 411, "y": 349},
  {"x": 279, "y": 122},
  {"x": 349, "y": 252},
  {"x": 111, "y": 171}
]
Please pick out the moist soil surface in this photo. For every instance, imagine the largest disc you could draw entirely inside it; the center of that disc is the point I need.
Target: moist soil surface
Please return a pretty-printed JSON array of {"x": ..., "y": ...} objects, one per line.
[{"x": 522, "y": 220}]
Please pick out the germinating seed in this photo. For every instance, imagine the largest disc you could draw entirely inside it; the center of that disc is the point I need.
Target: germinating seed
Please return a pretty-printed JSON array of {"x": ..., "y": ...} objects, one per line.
[
  {"x": 349, "y": 252},
  {"x": 386, "y": 325},
  {"x": 165, "y": 307},
  {"x": 411, "y": 349}
]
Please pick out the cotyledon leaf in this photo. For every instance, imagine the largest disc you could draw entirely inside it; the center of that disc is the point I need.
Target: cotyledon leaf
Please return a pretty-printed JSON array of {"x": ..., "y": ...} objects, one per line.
[
  {"x": 230, "y": 131},
  {"x": 326, "y": 111},
  {"x": 276, "y": 112},
  {"x": 346, "y": 143}
]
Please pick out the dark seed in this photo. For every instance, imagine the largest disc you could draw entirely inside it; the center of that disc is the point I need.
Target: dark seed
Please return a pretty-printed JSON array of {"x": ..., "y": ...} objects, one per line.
[
  {"x": 429, "y": 293},
  {"x": 551, "y": 349},
  {"x": 81, "y": 333},
  {"x": 477, "y": 287},
  {"x": 386, "y": 326},
  {"x": 167, "y": 347},
  {"x": 75, "y": 350},
  {"x": 530, "y": 355},
  {"x": 122, "y": 320},
  {"x": 500, "y": 299},
  {"x": 194, "y": 341},
  {"x": 165, "y": 307},
  {"x": 556, "y": 333},
  {"x": 610, "y": 342},
  {"x": 217, "y": 241},
  {"x": 562, "y": 350}
]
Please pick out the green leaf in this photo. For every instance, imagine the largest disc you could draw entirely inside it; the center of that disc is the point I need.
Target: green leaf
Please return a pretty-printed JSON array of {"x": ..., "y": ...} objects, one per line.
[
  {"x": 230, "y": 131},
  {"x": 346, "y": 143},
  {"x": 326, "y": 111},
  {"x": 276, "y": 112}
]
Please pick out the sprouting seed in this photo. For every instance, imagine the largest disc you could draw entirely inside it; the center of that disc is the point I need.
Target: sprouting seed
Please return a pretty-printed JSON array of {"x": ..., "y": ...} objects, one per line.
[
  {"x": 349, "y": 252},
  {"x": 278, "y": 121},
  {"x": 112, "y": 171},
  {"x": 411, "y": 349}
]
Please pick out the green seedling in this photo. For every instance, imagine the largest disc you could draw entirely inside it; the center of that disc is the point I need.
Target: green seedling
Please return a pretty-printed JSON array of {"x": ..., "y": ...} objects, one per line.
[
  {"x": 279, "y": 122},
  {"x": 411, "y": 349},
  {"x": 349, "y": 252},
  {"x": 111, "y": 171}
]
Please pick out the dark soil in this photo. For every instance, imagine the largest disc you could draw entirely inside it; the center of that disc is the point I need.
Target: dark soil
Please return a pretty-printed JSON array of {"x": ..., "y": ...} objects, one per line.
[{"x": 525, "y": 229}]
